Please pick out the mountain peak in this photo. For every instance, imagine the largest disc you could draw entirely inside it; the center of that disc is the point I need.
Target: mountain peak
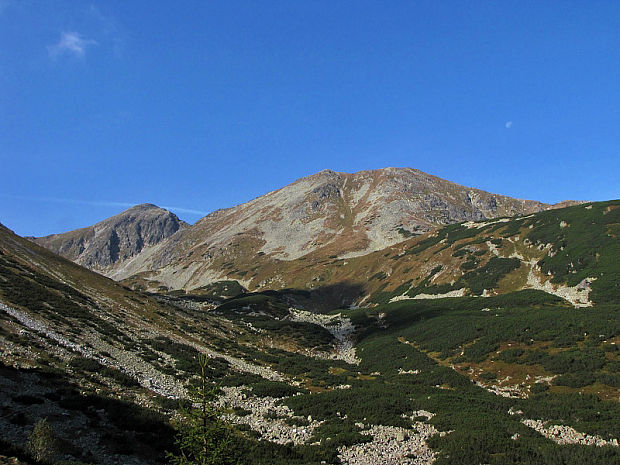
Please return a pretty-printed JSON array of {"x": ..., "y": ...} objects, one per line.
[
  {"x": 116, "y": 239},
  {"x": 145, "y": 206},
  {"x": 324, "y": 215}
]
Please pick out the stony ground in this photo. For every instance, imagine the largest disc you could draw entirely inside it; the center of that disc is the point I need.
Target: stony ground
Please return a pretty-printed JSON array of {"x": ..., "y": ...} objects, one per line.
[
  {"x": 341, "y": 328},
  {"x": 562, "y": 434},
  {"x": 266, "y": 416},
  {"x": 389, "y": 445},
  {"x": 392, "y": 445}
]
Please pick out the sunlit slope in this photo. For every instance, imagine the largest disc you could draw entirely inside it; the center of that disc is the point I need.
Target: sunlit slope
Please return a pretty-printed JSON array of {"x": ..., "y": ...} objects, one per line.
[
  {"x": 571, "y": 252},
  {"x": 107, "y": 245},
  {"x": 323, "y": 215}
]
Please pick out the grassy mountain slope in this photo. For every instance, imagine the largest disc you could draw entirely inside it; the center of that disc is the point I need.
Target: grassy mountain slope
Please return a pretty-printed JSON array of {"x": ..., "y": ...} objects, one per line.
[
  {"x": 519, "y": 365},
  {"x": 104, "y": 364},
  {"x": 571, "y": 252}
]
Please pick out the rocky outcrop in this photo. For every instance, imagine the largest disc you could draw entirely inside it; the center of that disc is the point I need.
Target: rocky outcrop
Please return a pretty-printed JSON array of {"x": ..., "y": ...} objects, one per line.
[
  {"x": 391, "y": 445},
  {"x": 341, "y": 328},
  {"x": 265, "y": 415},
  {"x": 562, "y": 434},
  {"x": 113, "y": 241}
]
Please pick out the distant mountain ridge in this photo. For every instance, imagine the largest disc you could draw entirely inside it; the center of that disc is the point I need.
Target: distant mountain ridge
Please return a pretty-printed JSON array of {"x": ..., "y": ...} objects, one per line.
[
  {"x": 327, "y": 214},
  {"x": 115, "y": 239}
]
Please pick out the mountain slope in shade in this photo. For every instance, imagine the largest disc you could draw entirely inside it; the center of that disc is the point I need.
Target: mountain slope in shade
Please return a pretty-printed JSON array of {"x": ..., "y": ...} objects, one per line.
[
  {"x": 114, "y": 240},
  {"x": 73, "y": 341}
]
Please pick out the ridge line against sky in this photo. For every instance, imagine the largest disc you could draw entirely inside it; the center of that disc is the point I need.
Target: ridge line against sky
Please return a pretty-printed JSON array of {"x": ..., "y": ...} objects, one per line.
[{"x": 207, "y": 105}]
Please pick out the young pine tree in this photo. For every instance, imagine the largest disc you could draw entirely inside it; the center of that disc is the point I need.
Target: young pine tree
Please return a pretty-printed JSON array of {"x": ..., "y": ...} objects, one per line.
[
  {"x": 203, "y": 438},
  {"x": 42, "y": 442}
]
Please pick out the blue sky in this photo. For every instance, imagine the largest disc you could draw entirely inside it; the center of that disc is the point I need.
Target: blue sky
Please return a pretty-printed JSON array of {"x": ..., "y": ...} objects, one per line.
[{"x": 200, "y": 105}]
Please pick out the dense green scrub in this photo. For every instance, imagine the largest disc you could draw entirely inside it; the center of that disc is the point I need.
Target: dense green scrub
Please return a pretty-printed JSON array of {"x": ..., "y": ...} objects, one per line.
[
  {"x": 586, "y": 245},
  {"x": 482, "y": 429},
  {"x": 269, "y": 311},
  {"x": 581, "y": 242}
]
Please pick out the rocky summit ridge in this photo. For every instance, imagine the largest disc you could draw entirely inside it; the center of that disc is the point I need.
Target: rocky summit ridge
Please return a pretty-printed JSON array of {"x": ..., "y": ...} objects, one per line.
[
  {"x": 327, "y": 214},
  {"x": 116, "y": 239}
]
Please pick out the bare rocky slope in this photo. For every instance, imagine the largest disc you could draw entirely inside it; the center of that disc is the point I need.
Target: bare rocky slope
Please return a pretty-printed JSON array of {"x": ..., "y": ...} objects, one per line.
[
  {"x": 110, "y": 242},
  {"x": 328, "y": 214},
  {"x": 352, "y": 213}
]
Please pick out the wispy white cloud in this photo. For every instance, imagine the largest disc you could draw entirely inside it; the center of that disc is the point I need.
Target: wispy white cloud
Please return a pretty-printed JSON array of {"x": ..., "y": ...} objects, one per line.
[
  {"x": 508, "y": 124},
  {"x": 110, "y": 29},
  {"x": 189, "y": 211},
  {"x": 100, "y": 203},
  {"x": 70, "y": 43}
]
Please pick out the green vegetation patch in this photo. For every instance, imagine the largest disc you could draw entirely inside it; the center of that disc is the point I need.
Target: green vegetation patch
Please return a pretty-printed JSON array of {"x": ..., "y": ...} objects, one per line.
[
  {"x": 268, "y": 303},
  {"x": 487, "y": 276},
  {"x": 220, "y": 289},
  {"x": 477, "y": 280},
  {"x": 394, "y": 349},
  {"x": 186, "y": 357},
  {"x": 583, "y": 245}
]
